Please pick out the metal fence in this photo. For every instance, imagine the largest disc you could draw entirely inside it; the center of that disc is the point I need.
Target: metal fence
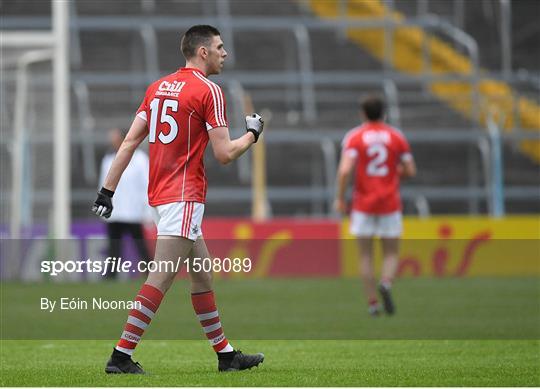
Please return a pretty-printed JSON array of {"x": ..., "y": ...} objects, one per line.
[{"x": 486, "y": 185}]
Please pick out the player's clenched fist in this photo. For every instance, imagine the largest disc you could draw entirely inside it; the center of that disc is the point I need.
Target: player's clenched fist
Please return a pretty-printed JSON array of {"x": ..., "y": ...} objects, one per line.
[
  {"x": 103, "y": 204},
  {"x": 254, "y": 124}
]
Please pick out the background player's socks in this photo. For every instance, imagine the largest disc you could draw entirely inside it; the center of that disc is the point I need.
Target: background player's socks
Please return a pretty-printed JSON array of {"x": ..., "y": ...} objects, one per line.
[
  {"x": 386, "y": 283},
  {"x": 139, "y": 318},
  {"x": 373, "y": 307},
  {"x": 204, "y": 305}
]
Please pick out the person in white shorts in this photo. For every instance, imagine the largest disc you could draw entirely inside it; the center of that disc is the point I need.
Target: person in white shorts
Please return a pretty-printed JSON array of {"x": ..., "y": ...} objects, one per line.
[
  {"x": 180, "y": 114},
  {"x": 380, "y": 155}
]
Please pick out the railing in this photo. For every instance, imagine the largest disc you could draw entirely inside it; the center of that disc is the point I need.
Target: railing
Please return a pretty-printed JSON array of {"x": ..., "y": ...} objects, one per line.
[
  {"x": 55, "y": 47},
  {"x": 224, "y": 16},
  {"x": 306, "y": 79},
  {"x": 321, "y": 195},
  {"x": 391, "y": 94},
  {"x": 299, "y": 26},
  {"x": 495, "y": 166},
  {"x": 87, "y": 127},
  {"x": 21, "y": 173}
]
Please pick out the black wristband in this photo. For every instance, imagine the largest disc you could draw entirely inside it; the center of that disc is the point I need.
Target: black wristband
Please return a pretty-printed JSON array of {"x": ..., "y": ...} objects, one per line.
[
  {"x": 255, "y": 134},
  {"x": 106, "y": 192}
]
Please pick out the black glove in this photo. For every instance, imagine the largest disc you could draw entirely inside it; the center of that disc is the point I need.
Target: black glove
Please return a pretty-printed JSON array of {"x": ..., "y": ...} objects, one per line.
[
  {"x": 103, "y": 204},
  {"x": 254, "y": 124}
]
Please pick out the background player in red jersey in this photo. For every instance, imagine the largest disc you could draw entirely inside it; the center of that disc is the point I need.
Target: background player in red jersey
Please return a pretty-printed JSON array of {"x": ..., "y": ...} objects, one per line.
[
  {"x": 180, "y": 113},
  {"x": 381, "y": 155}
]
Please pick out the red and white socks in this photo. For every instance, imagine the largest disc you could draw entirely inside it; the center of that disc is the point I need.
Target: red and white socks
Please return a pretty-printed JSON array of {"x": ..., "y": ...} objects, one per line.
[
  {"x": 204, "y": 305},
  {"x": 139, "y": 318},
  {"x": 373, "y": 306},
  {"x": 149, "y": 299}
]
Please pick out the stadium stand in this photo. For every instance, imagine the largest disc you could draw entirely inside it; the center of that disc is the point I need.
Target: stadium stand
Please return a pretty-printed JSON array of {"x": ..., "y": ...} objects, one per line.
[{"x": 308, "y": 73}]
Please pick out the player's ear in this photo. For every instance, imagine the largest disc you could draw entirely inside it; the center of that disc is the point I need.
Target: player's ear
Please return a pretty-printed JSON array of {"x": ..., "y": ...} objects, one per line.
[{"x": 203, "y": 51}]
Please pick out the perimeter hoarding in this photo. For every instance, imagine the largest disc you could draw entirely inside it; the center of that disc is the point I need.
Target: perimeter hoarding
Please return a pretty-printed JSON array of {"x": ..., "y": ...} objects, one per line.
[{"x": 435, "y": 247}]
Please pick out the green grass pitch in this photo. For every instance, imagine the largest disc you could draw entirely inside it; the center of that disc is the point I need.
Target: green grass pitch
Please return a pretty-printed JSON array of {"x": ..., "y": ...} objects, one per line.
[
  {"x": 447, "y": 332},
  {"x": 288, "y": 363}
]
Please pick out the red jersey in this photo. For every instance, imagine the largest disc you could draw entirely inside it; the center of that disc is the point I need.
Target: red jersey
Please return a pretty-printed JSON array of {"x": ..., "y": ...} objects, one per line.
[
  {"x": 378, "y": 149},
  {"x": 180, "y": 109}
]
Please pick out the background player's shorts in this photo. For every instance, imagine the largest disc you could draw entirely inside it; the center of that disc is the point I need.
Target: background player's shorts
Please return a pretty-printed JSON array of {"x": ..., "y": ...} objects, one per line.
[
  {"x": 179, "y": 219},
  {"x": 387, "y": 225}
]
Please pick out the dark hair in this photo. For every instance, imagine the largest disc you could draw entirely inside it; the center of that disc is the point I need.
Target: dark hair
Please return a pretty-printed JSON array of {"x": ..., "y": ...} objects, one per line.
[
  {"x": 195, "y": 37},
  {"x": 373, "y": 107}
]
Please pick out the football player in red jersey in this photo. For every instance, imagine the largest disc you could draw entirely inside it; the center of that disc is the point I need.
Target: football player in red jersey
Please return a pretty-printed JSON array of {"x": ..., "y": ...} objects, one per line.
[
  {"x": 380, "y": 155},
  {"x": 180, "y": 114}
]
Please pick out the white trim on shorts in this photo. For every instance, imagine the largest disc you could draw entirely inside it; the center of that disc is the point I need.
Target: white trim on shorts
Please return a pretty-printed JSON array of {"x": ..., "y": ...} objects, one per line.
[
  {"x": 387, "y": 225},
  {"x": 182, "y": 218}
]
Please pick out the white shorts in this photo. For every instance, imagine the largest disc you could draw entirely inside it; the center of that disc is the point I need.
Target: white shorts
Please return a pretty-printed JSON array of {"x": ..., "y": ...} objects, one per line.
[
  {"x": 387, "y": 225},
  {"x": 179, "y": 219}
]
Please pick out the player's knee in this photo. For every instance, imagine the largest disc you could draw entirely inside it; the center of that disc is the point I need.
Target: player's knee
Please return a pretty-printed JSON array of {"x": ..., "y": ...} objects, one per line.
[
  {"x": 203, "y": 280},
  {"x": 162, "y": 281}
]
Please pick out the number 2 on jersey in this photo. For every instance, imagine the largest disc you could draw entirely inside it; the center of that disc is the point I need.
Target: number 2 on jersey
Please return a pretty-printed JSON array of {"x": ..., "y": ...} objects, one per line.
[
  {"x": 378, "y": 153},
  {"x": 165, "y": 118}
]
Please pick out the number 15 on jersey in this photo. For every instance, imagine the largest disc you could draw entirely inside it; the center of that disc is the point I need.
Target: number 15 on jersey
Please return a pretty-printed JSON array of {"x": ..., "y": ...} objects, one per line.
[{"x": 167, "y": 107}]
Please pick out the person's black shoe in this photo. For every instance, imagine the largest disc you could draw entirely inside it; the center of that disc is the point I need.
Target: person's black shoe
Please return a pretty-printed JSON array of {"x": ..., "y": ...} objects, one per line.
[
  {"x": 388, "y": 303},
  {"x": 235, "y": 361},
  {"x": 120, "y": 363}
]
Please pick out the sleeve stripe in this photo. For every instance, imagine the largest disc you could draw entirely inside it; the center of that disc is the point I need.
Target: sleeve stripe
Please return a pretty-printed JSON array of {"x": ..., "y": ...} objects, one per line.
[
  {"x": 219, "y": 95},
  {"x": 142, "y": 115},
  {"x": 221, "y": 106},
  {"x": 353, "y": 153},
  {"x": 211, "y": 91},
  {"x": 218, "y": 99},
  {"x": 213, "y": 95},
  {"x": 406, "y": 157},
  {"x": 222, "y": 103},
  {"x": 220, "y": 120}
]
